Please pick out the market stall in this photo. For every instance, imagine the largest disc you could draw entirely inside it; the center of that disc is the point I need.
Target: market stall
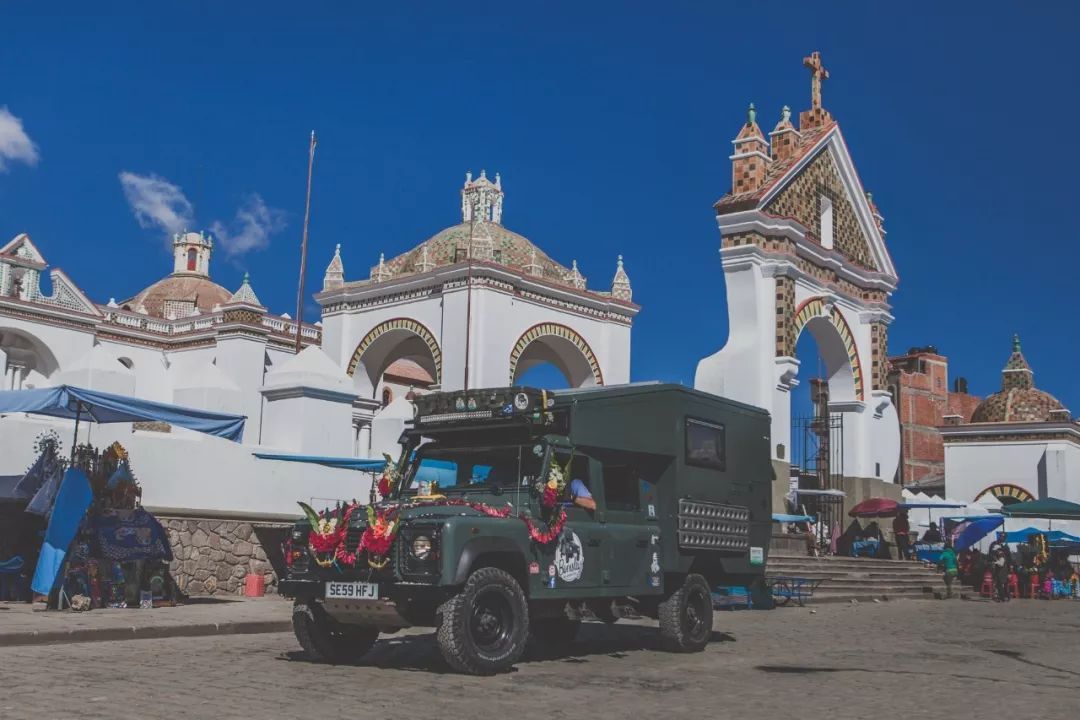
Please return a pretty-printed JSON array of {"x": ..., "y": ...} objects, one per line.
[{"x": 100, "y": 546}]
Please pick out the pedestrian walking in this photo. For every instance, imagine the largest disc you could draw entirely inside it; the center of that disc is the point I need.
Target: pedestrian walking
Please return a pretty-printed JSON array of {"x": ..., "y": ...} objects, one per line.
[
  {"x": 901, "y": 531},
  {"x": 950, "y": 567},
  {"x": 999, "y": 563}
]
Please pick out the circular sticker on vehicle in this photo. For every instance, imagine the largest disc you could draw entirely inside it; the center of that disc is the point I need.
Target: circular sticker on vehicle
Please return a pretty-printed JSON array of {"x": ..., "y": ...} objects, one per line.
[{"x": 569, "y": 558}]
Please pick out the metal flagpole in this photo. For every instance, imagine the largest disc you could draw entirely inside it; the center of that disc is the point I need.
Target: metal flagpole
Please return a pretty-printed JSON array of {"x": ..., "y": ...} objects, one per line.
[
  {"x": 468, "y": 293},
  {"x": 303, "y": 247}
]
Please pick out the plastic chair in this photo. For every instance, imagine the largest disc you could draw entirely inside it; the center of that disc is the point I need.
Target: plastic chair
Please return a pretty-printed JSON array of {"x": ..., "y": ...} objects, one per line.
[
  {"x": 987, "y": 585},
  {"x": 1033, "y": 589},
  {"x": 1014, "y": 585}
]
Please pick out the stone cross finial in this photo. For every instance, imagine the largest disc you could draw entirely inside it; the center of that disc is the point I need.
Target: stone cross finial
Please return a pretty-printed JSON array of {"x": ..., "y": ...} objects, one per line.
[
  {"x": 817, "y": 74},
  {"x": 786, "y": 114}
]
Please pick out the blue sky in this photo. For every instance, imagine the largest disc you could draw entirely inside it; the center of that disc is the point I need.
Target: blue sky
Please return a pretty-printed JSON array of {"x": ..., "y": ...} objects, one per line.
[{"x": 611, "y": 127}]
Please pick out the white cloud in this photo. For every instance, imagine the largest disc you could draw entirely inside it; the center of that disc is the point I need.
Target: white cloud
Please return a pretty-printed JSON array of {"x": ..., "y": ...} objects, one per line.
[
  {"x": 158, "y": 203},
  {"x": 15, "y": 144},
  {"x": 251, "y": 229}
]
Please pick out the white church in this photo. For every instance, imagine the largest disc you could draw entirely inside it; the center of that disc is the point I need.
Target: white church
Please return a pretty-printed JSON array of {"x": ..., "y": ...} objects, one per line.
[{"x": 475, "y": 305}]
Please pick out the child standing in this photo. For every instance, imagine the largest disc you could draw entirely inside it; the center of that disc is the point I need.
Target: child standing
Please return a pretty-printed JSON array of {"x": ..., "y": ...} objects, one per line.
[{"x": 948, "y": 563}]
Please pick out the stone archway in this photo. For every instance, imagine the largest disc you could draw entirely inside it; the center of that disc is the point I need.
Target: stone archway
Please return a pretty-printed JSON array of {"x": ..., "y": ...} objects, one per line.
[
  {"x": 397, "y": 339},
  {"x": 560, "y": 346}
]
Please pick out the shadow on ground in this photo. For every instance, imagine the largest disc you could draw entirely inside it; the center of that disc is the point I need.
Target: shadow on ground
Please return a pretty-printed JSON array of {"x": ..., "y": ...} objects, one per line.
[{"x": 420, "y": 653}]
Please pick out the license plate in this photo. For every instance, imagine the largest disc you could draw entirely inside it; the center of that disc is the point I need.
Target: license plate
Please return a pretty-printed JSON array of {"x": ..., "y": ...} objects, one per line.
[{"x": 352, "y": 590}]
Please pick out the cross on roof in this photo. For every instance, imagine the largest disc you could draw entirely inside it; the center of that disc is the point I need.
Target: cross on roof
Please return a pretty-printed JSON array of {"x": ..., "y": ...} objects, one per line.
[{"x": 817, "y": 74}]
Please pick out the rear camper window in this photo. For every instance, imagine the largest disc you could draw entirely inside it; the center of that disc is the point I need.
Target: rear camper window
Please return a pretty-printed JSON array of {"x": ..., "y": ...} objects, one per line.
[{"x": 705, "y": 444}]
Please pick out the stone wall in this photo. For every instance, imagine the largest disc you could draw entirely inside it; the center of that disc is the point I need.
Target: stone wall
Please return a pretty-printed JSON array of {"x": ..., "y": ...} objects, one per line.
[{"x": 212, "y": 557}]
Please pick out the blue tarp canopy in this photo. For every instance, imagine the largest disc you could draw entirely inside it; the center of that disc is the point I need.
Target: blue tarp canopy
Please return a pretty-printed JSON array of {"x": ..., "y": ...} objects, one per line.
[
  {"x": 971, "y": 530},
  {"x": 67, "y": 401},
  {"x": 781, "y": 517},
  {"x": 1024, "y": 535},
  {"x": 345, "y": 463}
]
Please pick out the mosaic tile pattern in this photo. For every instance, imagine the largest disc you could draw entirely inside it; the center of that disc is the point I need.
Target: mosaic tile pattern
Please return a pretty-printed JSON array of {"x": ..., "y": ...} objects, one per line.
[
  {"x": 785, "y": 311},
  {"x": 1019, "y": 400},
  {"x": 801, "y": 200}
]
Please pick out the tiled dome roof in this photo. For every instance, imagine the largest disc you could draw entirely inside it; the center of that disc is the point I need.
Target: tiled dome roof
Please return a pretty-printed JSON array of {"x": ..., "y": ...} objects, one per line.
[
  {"x": 490, "y": 241},
  {"x": 1019, "y": 400},
  {"x": 184, "y": 290}
]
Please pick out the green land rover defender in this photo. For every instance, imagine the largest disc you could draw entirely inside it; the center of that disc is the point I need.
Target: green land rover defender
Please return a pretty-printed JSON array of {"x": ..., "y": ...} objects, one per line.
[{"x": 476, "y": 543}]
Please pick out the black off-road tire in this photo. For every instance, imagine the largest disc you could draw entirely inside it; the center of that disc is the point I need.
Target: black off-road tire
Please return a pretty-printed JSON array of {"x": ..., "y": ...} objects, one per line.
[
  {"x": 686, "y": 617},
  {"x": 327, "y": 641},
  {"x": 551, "y": 637},
  {"x": 484, "y": 628}
]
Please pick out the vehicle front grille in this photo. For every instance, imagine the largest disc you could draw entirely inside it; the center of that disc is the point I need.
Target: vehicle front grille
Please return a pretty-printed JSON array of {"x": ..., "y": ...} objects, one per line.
[{"x": 713, "y": 526}]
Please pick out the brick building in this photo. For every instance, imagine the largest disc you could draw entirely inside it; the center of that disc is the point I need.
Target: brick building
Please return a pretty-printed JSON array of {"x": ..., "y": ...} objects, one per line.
[{"x": 919, "y": 383}]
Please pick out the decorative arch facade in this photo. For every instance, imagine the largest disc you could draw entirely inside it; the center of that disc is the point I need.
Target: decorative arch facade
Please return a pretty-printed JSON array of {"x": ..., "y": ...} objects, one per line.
[
  {"x": 551, "y": 329},
  {"x": 408, "y": 325},
  {"x": 805, "y": 250},
  {"x": 1006, "y": 493},
  {"x": 822, "y": 307}
]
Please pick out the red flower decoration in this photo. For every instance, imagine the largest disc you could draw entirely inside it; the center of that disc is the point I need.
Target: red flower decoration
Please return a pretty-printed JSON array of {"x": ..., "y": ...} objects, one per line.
[{"x": 384, "y": 486}]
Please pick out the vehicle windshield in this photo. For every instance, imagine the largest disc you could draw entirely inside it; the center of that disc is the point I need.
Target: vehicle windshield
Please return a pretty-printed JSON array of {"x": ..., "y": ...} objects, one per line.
[{"x": 454, "y": 467}]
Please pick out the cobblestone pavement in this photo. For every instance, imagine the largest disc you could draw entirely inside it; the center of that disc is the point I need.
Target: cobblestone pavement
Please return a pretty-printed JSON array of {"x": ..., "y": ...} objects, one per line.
[{"x": 902, "y": 659}]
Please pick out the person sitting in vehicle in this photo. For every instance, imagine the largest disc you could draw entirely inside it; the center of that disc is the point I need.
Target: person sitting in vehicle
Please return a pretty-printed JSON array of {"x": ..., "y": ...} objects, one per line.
[{"x": 580, "y": 495}]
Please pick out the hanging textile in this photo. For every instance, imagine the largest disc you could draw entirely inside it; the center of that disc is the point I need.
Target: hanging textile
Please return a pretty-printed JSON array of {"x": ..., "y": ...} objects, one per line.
[
  {"x": 72, "y": 502},
  {"x": 126, "y": 535}
]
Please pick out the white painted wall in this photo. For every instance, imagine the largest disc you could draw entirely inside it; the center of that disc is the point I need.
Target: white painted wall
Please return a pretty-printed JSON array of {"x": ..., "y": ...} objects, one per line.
[
  {"x": 187, "y": 470},
  {"x": 1044, "y": 469}
]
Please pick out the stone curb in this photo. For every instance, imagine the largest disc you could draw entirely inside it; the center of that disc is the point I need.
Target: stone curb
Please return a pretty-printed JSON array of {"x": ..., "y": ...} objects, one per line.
[{"x": 148, "y": 632}]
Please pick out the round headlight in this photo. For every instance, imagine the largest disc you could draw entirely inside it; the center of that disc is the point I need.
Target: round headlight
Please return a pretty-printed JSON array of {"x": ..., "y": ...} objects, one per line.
[
  {"x": 459, "y": 404},
  {"x": 472, "y": 403},
  {"x": 421, "y": 547}
]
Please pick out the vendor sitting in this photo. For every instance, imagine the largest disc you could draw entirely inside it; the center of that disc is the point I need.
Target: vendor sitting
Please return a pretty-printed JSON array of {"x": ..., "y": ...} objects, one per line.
[{"x": 933, "y": 535}]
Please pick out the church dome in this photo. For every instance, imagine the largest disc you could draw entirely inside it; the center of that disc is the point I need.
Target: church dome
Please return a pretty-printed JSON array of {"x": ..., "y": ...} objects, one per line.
[
  {"x": 479, "y": 236},
  {"x": 489, "y": 241},
  {"x": 178, "y": 296},
  {"x": 1019, "y": 400}
]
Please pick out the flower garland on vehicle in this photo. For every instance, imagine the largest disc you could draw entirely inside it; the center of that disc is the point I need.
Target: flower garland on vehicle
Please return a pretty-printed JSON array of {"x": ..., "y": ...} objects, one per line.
[
  {"x": 379, "y": 536},
  {"x": 328, "y": 529},
  {"x": 327, "y": 536},
  {"x": 390, "y": 476},
  {"x": 550, "y": 489}
]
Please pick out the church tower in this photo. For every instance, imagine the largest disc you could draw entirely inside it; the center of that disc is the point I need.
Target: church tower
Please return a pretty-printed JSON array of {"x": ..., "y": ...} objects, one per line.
[
  {"x": 191, "y": 253},
  {"x": 481, "y": 199}
]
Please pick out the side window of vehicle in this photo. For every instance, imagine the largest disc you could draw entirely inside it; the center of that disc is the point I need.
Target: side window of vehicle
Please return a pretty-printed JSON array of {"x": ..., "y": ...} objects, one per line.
[
  {"x": 621, "y": 488},
  {"x": 705, "y": 444},
  {"x": 579, "y": 469}
]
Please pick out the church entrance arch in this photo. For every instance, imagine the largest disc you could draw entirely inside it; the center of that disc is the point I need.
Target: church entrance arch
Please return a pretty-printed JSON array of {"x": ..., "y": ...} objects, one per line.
[
  {"x": 559, "y": 346},
  {"x": 836, "y": 346},
  {"x": 388, "y": 342}
]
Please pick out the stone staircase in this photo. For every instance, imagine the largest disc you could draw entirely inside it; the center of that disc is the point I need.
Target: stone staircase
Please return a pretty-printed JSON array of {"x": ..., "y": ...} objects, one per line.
[{"x": 845, "y": 579}]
